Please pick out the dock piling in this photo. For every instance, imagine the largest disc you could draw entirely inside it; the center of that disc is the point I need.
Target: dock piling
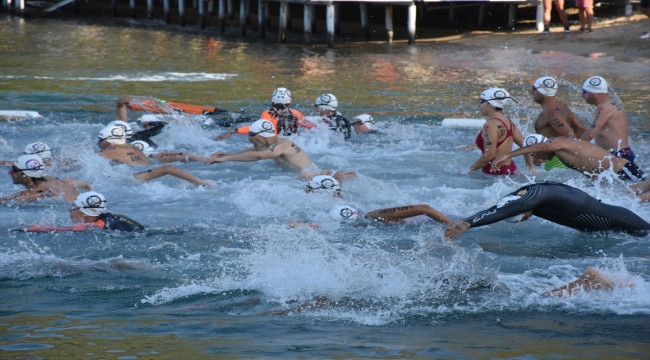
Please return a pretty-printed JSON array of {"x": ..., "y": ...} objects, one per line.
[
  {"x": 512, "y": 10},
  {"x": 201, "y": 14},
  {"x": 330, "y": 24},
  {"x": 411, "y": 23},
  {"x": 261, "y": 18},
  {"x": 150, "y": 9},
  {"x": 242, "y": 17},
  {"x": 282, "y": 31},
  {"x": 132, "y": 5},
  {"x": 365, "y": 29},
  {"x": 481, "y": 14},
  {"x": 337, "y": 19},
  {"x": 166, "y": 6},
  {"x": 307, "y": 22},
  {"x": 389, "y": 23},
  {"x": 539, "y": 16},
  {"x": 222, "y": 16},
  {"x": 230, "y": 10},
  {"x": 181, "y": 12}
]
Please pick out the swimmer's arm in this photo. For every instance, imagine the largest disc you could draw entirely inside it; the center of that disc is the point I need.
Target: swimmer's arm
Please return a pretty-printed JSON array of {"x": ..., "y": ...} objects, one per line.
[
  {"x": 519, "y": 140},
  {"x": 398, "y": 213},
  {"x": 576, "y": 125},
  {"x": 248, "y": 156},
  {"x": 531, "y": 149},
  {"x": 490, "y": 138},
  {"x": 560, "y": 124},
  {"x": 295, "y": 224},
  {"x": 6, "y": 162},
  {"x": 22, "y": 196},
  {"x": 77, "y": 184},
  {"x": 170, "y": 156},
  {"x": 302, "y": 121},
  {"x": 601, "y": 116},
  {"x": 122, "y": 104}
]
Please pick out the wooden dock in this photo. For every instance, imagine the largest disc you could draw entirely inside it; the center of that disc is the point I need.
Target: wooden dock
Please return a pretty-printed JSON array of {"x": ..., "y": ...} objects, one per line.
[{"x": 225, "y": 9}]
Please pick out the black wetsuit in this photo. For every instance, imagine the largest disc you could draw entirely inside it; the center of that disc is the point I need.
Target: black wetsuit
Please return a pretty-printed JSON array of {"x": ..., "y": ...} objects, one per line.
[
  {"x": 119, "y": 222},
  {"x": 566, "y": 206},
  {"x": 287, "y": 122},
  {"x": 146, "y": 134},
  {"x": 339, "y": 123}
]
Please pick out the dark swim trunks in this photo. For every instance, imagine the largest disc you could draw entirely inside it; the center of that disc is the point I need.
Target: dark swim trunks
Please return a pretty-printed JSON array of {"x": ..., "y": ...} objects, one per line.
[
  {"x": 626, "y": 154},
  {"x": 631, "y": 172}
]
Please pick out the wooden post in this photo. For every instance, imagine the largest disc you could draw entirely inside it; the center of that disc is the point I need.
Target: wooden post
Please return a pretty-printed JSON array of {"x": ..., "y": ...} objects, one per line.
[
  {"x": 452, "y": 11},
  {"x": 242, "y": 17},
  {"x": 114, "y": 8},
  {"x": 337, "y": 20},
  {"x": 289, "y": 22},
  {"x": 365, "y": 29},
  {"x": 481, "y": 14},
  {"x": 167, "y": 13},
  {"x": 150, "y": 9},
  {"x": 512, "y": 9},
  {"x": 132, "y": 5},
  {"x": 212, "y": 9},
  {"x": 313, "y": 19},
  {"x": 389, "y": 22},
  {"x": 628, "y": 8},
  {"x": 261, "y": 18},
  {"x": 411, "y": 23},
  {"x": 230, "y": 10},
  {"x": 201, "y": 14},
  {"x": 248, "y": 12},
  {"x": 222, "y": 16},
  {"x": 181, "y": 12},
  {"x": 267, "y": 16},
  {"x": 539, "y": 18},
  {"x": 20, "y": 6},
  {"x": 307, "y": 23},
  {"x": 330, "y": 24},
  {"x": 282, "y": 33}
]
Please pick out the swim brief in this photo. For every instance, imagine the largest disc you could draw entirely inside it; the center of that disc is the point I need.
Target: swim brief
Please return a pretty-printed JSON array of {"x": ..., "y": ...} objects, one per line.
[
  {"x": 626, "y": 154},
  {"x": 631, "y": 172},
  {"x": 555, "y": 163}
]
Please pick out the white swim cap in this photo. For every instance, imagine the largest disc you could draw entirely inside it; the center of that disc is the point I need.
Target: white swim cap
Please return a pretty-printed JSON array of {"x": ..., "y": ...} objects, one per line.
[
  {"x": 345, "y": 212},
  {"x": 31, "y": 165},
  {"x": 595, "y": 84},
  {"x": 506, "y": 200},
  {"x": 112, "y": 134},
  {"x": 281, "y": 96},
  {"x": 533, "y": 139},
  {"x": 496, "y": 97},
  {"x": 546, "y": 85},
  {"x": 91, "y": 203},
  {"x": 327, "y": 102},
  {"x": 323, "y": 182},
  {"x": 40, "y": 148},
  {"x": 366, "y": 119},
  {"x": 144, "y": 147},
  {"x": 263, "y": 128},
  {"x": 124, "y": 125}
]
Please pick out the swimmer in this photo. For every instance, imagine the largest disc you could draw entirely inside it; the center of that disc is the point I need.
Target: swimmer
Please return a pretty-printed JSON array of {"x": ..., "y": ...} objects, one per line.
[
  {"x": 27, "y": 171},
  {"x": 267, "y": 145},
  {"x": 151, "y": 128},
  {"x": 556, "y": 119},
  {"x": 557, "y": 203},
  {"x": 167, "y": 156},
  {"x": 325, "y": 106},
  {"x": 583, "y": 156},
  {"x": 497, "y": 135},
  {"x": 285, "y": 120},
  {"x": 89, "y": 213},
  {"x": 112, "y": 142},
  {"x": 324, "y": 183},
  {"x": 590, "y": 280},
  {"x": 609, "y": 128},
  {"x": 41, "y": 149},
  {"x": 363, "y": 124}
]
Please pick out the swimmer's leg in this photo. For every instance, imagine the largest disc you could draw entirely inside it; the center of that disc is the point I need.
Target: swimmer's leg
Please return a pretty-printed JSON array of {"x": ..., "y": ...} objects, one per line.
[
  {"x": 398, "y": 213},
  {"x": 592, "y": 279},
  {"x": 155, "y": 173}
]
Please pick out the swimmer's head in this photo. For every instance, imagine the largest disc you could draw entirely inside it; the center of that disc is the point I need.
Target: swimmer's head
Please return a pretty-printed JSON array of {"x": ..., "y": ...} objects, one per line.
[
  {"x": 513, "y": 219},
  {"x": 30, "y": 165},
  {"x": 323, "y": 182},
  {"x": 39, "y": 148},
  {"x": 533, "y": 139},
  {"x": 596, "y": 85},
  {"x": 112, "y": 134},
  {"x": 263, "y": 128},
  {"x": 327, "y": 102},
  {"x": 124, "y": 125},
  {"x": 546, "y": 85},
  {"x": 90, "y": 203},
  {"x": 144, "y": 147},
  {"x": 345, "y": 212},
  {"x": 496, "y": 97},
  {"x": 363, "y": 119},
  {"x": 281, "y": 96}
]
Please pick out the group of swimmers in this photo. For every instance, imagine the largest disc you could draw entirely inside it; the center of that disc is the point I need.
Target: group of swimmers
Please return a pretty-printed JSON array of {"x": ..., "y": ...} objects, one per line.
[{"x": 560, "y": 141}]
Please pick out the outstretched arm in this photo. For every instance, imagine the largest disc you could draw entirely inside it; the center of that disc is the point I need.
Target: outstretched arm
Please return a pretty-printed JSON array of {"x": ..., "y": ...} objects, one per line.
[
  {"x": 396, "y": 214},
  {"x": 22, "y": 196},
  {"x": 600, "y": 119},
  {"x": 169, "y": 157},
  {"x": 77, "y": 184},
  {"x": 518, "y": 138},
  {"x": 531, "y": 149}
]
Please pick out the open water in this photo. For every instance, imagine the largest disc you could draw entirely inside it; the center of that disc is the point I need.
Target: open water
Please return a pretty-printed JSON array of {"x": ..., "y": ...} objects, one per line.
[{"x": 193, "y": 285}]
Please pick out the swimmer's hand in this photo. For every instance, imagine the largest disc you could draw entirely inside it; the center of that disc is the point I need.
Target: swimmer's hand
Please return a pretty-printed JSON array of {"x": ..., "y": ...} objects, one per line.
[
  {"x": 123, "y": 100},
  {"x": 344, "y": 175},
  {"x": 496, "y": 163},
  {"x": 456, "y": 229},
  {"x": 215, "y": 159},
  {"x": 469, "y": 147}
]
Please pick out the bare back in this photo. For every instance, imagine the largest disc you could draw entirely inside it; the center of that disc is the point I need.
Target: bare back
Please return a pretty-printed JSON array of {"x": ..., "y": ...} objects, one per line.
[
  {"x": 615, "y": 126},
  {"x": 290, "y": 154},
  {"x": 125, "y": 154},
  {"x": 586, "y": 157}
]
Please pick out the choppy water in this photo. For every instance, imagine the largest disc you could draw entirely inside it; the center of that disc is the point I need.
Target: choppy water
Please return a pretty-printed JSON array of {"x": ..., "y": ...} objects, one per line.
[{"x": 213, "y": 259}]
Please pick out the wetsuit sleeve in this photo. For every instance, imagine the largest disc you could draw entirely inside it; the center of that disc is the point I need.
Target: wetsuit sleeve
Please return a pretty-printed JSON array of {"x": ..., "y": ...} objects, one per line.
[
  {"x": 147, "y": 133},
  {"x": 243, "y": 130},
  {"x": 302, "y": 121},
  {"x": 346, "y": 127},
  {"x": 121, "y": 223},
  {"x": 492, "y": 215}
]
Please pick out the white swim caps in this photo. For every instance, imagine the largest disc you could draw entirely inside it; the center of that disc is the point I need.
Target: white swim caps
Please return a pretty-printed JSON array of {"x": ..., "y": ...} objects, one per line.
[
  {"x": 345, "y": 212},
  {"x": 327, "y": 102},
  {"x": 263, "y": 128},
  {"x": 366, "y": 119},
  {"x": 40, "y": 148},
  {"x": 124, "y": 125},
  {"x": 91, "y": 203},
  {"x": 323, "y": 182},
  {"x": 281, "y": 96},
  {"x": 595, "y": 84},
  {"x": 112, "y": 134},
  {"x": 144, "y": 147},
  {"x": 533, "y": 139},
  {"x": 506, "y": 200},
  {"x": 546, "y": 85},
  {"x": 496, "y": 97},
  {"x": 31, "y": 165}
]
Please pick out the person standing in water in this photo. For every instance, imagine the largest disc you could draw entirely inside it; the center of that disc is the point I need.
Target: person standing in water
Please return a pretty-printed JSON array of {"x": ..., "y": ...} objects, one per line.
[
  {"x": 497, "y": 135},
  {"x": 325, "y": 106}
]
